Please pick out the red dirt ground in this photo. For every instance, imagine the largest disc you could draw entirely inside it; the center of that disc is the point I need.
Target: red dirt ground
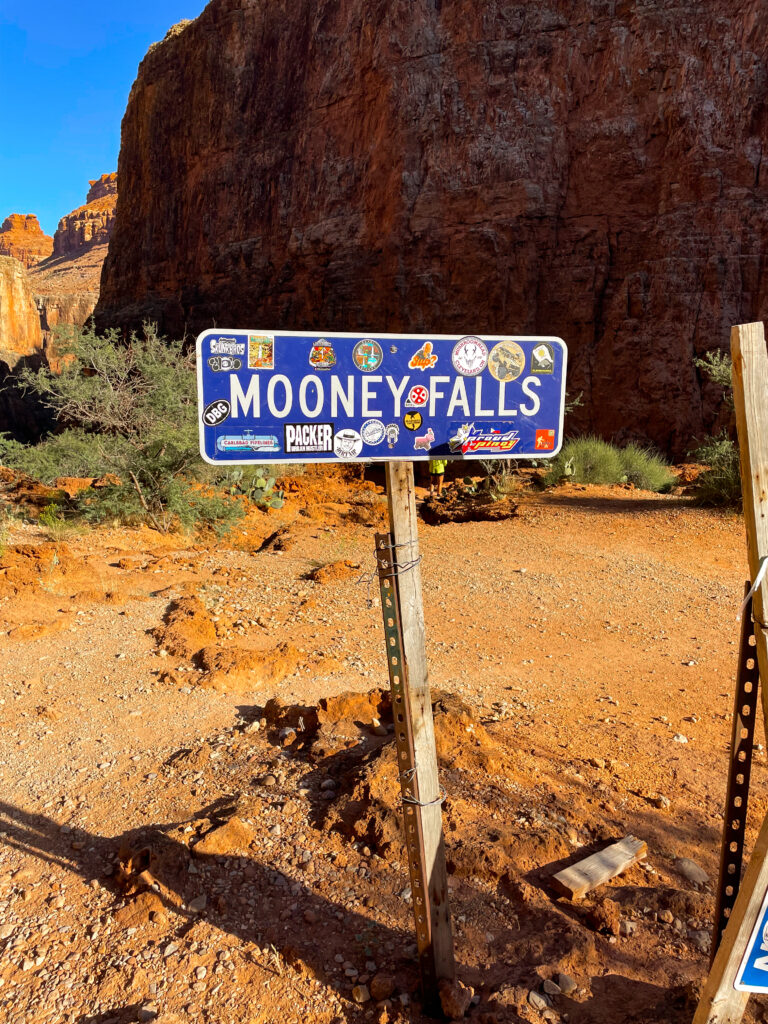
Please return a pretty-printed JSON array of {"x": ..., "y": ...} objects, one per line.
[{"x": 200, "y": 810}]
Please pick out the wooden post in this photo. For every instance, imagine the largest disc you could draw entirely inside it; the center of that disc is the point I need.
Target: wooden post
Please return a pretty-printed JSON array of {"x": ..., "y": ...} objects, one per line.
[
  {"x": 720, "y": 1002},
  {"x": 425, "y": 785},
  {"x": 750, "y": 395}
]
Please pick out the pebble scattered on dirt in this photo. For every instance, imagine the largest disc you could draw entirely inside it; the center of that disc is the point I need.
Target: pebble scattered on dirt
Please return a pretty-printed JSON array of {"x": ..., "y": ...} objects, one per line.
[{"x": 200, "y": 815}]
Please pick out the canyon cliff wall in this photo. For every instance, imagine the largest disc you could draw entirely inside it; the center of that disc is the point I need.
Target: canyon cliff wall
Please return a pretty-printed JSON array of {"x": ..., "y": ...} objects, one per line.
[
  {"x": 588, "y": 169},
  {"x": 21, "y": 336},
  {"x": 57, "y": 291},
  {"x": 22, "y": 237},
  {"x": 90, "y": 224}
]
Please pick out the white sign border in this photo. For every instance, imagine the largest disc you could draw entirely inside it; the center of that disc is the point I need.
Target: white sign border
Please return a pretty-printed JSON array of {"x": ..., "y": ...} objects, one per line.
[{"x": 289, "y": 461}]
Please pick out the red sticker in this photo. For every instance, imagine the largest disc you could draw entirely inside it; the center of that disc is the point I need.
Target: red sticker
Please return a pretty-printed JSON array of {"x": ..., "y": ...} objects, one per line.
[
  {"x": 545, "y": 440},
  {"x": 417, "y": 397}
]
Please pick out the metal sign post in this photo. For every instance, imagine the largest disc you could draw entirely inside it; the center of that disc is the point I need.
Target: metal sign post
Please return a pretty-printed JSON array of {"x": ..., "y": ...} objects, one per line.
[
  {"x": 739, "y": 771},
  {"x": 271, "y": 396}
]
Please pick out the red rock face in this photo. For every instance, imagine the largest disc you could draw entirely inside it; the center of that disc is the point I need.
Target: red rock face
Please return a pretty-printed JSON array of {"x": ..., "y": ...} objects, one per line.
[
  {"x": 102, "y": 187},
  {"x": 91, "y": 224},
  {"x": 21, "y": 336},
  {"x": 588, "y": 169},
  {"x": 22, "y": 238}
]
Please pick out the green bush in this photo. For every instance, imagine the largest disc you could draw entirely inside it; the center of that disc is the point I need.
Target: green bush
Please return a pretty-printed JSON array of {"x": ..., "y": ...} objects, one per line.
[
  {"x": 720, "y": 483},
  {"x": 590, "y": 460},
  {"x": 129, "y": 410},
  {"x": 643, "y": 468},
  {"x": 718, "y": 367}
]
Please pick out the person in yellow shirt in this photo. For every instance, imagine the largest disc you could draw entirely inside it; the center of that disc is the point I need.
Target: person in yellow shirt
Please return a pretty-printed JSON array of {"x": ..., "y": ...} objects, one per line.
[{"x": 436, "y": 476}]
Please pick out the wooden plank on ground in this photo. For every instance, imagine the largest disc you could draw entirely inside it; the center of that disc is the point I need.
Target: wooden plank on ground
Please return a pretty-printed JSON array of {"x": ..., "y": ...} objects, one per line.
[{"x": 577, "y": 880}]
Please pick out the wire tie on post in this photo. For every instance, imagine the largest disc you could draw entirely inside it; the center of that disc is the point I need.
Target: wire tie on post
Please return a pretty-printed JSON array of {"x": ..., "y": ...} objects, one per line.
[
  {"x": 762, "y": 568},
  {"x": 427, "y": 803}
]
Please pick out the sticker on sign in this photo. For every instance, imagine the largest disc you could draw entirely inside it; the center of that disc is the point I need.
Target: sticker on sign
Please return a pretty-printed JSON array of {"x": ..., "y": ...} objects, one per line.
[{"x": 301, "y": 396}]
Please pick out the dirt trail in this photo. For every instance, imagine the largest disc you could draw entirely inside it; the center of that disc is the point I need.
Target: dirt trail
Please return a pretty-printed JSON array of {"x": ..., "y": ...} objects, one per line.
[{"x": 177, "y": 842}]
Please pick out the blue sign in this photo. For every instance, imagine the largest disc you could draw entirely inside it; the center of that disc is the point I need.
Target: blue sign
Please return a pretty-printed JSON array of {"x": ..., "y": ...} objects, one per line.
[
  {"x": 273, "y": 396},
  {"x": 752, "y": 975}
]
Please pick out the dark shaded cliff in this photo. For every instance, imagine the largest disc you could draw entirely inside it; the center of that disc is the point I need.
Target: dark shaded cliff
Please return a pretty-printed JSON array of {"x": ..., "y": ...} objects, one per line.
[{"x": 588, "y": 169}]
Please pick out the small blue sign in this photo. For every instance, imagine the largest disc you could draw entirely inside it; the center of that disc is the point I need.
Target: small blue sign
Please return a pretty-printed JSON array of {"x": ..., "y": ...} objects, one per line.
[
  {"x": 273, "y": 396},
  {"x": 752, "y": 975}
]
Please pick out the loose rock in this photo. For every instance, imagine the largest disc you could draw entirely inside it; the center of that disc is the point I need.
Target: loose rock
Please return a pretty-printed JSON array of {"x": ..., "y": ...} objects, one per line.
[
  {"x": 455, "y": 998},
  {"x": 690, "y": 869}
]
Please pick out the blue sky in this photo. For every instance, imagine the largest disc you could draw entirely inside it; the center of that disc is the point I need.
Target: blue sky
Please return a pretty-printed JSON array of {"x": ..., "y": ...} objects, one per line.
[{"x": 65, "y": 74}]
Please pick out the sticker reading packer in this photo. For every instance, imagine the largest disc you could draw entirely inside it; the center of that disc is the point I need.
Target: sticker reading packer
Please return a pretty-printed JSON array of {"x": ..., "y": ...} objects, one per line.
[
  {"x": 261, "y": 352},
  {"x": 469, "y": 356},
  {"x": 305, "y": 438},
  {"x": 506, "y": 362},
  {"x": 367, "y": 355}
]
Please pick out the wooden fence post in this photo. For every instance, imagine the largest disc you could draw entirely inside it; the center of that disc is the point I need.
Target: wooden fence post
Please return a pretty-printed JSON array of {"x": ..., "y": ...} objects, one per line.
[{"x": 720, "y": 1002}]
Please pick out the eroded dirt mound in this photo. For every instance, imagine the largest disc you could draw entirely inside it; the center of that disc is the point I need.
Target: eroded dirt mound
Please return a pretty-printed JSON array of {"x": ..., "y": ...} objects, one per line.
[
  {"x": 188, "y": 632},
  {"x": 333, "y": 571},
  {"x": 460, "y": 506},
  {"x": 187, "y": 628}
]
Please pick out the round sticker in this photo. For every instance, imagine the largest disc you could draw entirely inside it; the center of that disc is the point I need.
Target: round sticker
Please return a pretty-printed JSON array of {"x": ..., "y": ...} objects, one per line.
[
  {"x": 417, "y": 397},
  {"x": 373, "y": 432},
  {"x": 506, "y": 361},
  {"x": 347, "y": 443},
  {"x": 367, "y": 355},
  {"x": 412, "y": 420},
  {"x": 470, "y": 356}
]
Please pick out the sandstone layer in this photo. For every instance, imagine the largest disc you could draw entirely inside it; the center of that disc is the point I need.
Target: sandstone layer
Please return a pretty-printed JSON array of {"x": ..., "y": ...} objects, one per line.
[
  {"x": 586, "y": 169},
  {"x": 90, "y": 224},
  {"x": 22, "y": 237},
  {"x": 21, "y": 336}
]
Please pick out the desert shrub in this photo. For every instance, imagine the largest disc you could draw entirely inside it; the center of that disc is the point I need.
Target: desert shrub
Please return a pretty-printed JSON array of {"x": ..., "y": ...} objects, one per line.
[
  {"x": 720, "y": 482},
  {"x": 718, "y": 367},
  {"x": 587, "y": 460},
  {"x": 643, "y": 468},
  {"x": 590, "y": 460},
  {"x": 70, "y": 453},
  {"x": 129, "y": 410}
]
